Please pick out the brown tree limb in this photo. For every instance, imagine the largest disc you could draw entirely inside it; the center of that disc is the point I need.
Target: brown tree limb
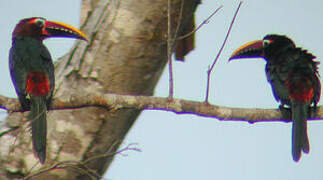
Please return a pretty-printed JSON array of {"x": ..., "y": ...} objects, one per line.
[{"x": 114, "y": 102}]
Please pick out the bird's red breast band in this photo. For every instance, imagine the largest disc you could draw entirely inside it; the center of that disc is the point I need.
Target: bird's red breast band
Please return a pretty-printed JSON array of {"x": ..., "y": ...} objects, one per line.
[
  {"x": 300, "y": 92},
  {"x": 305, "y": 96},
  {"x": 37, "y": 84}
]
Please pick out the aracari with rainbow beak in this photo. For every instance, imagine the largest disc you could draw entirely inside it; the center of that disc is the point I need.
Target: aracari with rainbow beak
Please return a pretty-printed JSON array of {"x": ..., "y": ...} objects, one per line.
[
  {"x": 32, "y": 72},
  {"x": 293, "y": 76}
]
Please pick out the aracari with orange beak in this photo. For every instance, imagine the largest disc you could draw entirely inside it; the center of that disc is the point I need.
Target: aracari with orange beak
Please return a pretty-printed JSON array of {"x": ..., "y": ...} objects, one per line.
[
  {"x": 32, "y": 72},
  {"x": 293, "y": 76}
]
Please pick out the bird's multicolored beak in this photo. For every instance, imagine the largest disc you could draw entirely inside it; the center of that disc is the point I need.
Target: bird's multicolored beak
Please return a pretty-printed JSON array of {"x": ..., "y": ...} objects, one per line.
[
  {"x": 58, "y": 29},
  {"x": 253, "y": 49}
]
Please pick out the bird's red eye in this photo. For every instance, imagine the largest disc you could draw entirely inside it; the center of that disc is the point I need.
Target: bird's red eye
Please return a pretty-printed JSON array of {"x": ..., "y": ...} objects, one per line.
[{"x": 266, "y": 42}]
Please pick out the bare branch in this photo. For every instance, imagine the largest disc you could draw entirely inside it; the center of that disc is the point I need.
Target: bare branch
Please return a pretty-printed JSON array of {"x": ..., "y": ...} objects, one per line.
[
  {"x": 169, "y": 50},
  {"x": 113, "y": 102},
  {"x": 81, "y": 165},
  {"x": 201, "y": 25},
  {"x": 180, "y": 16},
  {"x": 218, "y": 55},
  {"x": 129, "y": 147}
]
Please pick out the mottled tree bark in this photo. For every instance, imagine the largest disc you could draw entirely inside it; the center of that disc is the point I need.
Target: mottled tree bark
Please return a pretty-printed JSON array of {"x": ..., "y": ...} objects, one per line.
[{"x": 126, "y": 54}]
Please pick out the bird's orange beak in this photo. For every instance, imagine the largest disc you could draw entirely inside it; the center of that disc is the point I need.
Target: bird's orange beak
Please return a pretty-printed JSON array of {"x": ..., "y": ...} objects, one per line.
[
  {"x": 253, "y": 49},
  {"x": 58, "y": 29}
]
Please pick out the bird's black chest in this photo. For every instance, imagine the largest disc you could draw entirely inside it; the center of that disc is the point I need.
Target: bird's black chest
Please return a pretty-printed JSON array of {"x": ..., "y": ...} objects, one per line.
[
  {"x": 278, "y": 70},
  {"x": 291, "y": 72},
  {"x": 30, "y": 53}
]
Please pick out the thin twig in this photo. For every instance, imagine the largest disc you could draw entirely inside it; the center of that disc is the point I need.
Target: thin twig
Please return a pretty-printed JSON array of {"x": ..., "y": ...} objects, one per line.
[
  {"x": 179, "y": 20},
  {"x": 201, "y": 25},
  {"x": 171, "y": 40},
  {"x": 80, "y": 166},
  {"x": 129, "y": 147},
  {"x": 63, "y": 165},
  {"x": 9, "y": 131},
  {"x": 169, "y": 51},
  {"x": 218, "y": 55}
]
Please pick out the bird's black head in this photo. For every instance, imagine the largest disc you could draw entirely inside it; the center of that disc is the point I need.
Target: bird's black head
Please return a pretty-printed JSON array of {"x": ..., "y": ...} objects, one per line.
[
  {"x": 266, "y": 48},
  {"x": 275, "y": 44},
  {"x": 40, "y": 28}
]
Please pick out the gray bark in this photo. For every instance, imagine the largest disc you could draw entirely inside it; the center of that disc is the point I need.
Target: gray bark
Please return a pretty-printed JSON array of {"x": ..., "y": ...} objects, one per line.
[{"x": 126, "y": 54}]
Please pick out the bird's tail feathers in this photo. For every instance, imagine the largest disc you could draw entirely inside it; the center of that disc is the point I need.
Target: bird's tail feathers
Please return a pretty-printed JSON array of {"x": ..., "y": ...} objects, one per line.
[
  {"x": 37, "y": 116},
  {"x": 299, "y": 130}
]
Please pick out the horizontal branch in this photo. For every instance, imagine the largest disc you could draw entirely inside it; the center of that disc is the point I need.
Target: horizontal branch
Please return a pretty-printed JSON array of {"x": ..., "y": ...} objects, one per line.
[{"x": 179, "y": 106}]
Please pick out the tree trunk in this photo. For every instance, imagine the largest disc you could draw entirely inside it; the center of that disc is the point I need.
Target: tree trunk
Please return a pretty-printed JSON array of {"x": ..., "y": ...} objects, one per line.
[{"x": 126, "y": 53}]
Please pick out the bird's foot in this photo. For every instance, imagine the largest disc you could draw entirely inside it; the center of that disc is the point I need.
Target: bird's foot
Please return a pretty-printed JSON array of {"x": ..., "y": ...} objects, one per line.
[
  {"x": 312, "y": 111},
  {"x": 286, "y": 112}
]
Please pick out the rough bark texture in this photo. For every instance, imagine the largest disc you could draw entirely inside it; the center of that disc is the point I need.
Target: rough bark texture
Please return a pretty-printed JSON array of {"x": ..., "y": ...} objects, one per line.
[
  {"x": 126, "y": 54},
  {"x": 115, "y": 102}
]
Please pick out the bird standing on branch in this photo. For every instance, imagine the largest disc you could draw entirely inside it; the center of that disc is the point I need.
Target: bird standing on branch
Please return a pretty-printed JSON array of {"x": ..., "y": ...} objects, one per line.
[
  {"x": 32, "y": 72},
  {"x": 293, "y": 76}
]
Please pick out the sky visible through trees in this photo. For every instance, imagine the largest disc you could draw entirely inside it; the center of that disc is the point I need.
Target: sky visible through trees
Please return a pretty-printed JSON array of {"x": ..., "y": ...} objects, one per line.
[{"x": 190, "y": 147}]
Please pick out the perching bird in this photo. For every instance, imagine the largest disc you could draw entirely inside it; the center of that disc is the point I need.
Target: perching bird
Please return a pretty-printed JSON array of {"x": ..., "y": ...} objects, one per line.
[
  {"x": 293, "y": 75},
  {"x": 32, "y": 72}
]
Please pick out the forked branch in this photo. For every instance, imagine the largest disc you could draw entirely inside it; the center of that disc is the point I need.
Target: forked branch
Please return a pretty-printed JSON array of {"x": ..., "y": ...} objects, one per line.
[{"x": 209, "y": 71}]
